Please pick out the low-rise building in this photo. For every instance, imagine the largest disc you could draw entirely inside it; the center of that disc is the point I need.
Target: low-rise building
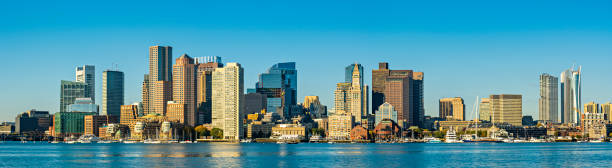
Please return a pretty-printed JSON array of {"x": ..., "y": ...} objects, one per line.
[
  {"x": 289, "y": 131},
  {"x": 70, "y": 123},
  {"x": 359, "y": 133},
  {"x": 94, "y": 122},
  {"x": 258, "y": 129},
  {"x": 340, "y": 126},
  {"x": 387, "y": 129}
]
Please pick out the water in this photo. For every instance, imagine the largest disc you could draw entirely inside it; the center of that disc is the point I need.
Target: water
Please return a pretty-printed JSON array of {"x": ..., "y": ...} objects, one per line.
[{"x": 15, "y": 154}]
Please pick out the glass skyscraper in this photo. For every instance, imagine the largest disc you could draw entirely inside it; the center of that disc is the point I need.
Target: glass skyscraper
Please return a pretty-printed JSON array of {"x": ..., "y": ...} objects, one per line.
[
  {"x": 571, "y": 95},
  {"x": 70, "y": 91},
  {"x": 279, "y": 84},
  {"x": 112, "y": 92}
]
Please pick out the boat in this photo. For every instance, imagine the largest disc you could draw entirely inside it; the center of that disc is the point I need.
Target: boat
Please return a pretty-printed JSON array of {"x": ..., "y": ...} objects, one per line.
[
  {"x": 432, "y": 140},
  {"x": 150, "y": 141},
  {"x": 88, "y": 139},
  {"x": 54, "y": 142},
  {"x": 130, "y": 142},
  {"x": 451, "y": 137},
  {"x": 185, "y": 142},
  {"x": 281, "y": 142},
  {"x": 596, "y": 141},
  {"x": 246, "y": 141},
  {"x": 292, "y": 142},
  {"x": 330, "y": 142},
  {"x": 71, "y": 142},
  {"x": 105, "y": 142}
]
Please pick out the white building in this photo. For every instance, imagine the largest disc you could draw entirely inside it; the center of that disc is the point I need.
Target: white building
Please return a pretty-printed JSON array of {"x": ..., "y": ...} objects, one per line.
[{"x": 228, "y": 100}]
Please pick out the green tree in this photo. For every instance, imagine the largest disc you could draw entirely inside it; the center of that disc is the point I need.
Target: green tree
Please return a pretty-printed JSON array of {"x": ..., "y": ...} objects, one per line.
[
  {"x": 202, "y": 131},
  {"x": 217, "y": 133}
]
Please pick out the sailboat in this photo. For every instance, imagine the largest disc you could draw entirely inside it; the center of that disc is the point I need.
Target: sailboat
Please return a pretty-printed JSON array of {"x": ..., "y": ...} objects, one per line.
[{"x": 478, "y": 139}]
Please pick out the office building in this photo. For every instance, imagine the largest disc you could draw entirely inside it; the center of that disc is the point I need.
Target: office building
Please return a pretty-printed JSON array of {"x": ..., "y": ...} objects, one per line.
[
  {"x": 339, "y": 126},
  {"x": 161, "y": 93},
  {"x": 279, "y": 84},
  {"x": 401, "y": 88},
  {"x": 484, "y": 109},
  {"x": 507, "y": 108},
  {"x": 87, "y": 74},
  {"x": 385, "y": 111},
  {"x": 350, "y": 70},
  {"x": 452, "y": 109},
  {"x": 70, "y": 123},
  {"x": 112, "y": 92},
  {"x": 146, "y": 94},
  {"x": 254, "y": 103},
  {"x": 205, "y": 68},
  {"x": 184, "y": 87},
  {"x": 32, "y": 121},
  {"x": 549, "y": 98},
  {"x": 606, "y": 109},
  {"x": 228, "y": 100},
  {"x": 571, "y": 95},
  {"x": 83, "y": 105},
  {"x": 313, "y": 106},
  {"x": 351, "y": 98},
  {"x": 129, "y": 116},
  {"x": 70, "y": 91},
  {"x": 591, "y": 107}
]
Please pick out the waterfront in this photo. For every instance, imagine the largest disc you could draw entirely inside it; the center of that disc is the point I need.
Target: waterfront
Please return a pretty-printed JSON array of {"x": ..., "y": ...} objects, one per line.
[{"x": 15, "y": 154}]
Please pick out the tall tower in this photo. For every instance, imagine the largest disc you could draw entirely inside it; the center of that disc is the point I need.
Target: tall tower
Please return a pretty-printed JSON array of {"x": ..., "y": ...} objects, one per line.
[
  {"x": 571, "y": 95},
  {"x": 452, "y": 108},
  {"x": 159, "y": 89},
  {"x": 87, "y": 74},
  {"x": 228, "y": 100},
  {"x": 112, "y": 92},
  {"x": 184, "y": 87},
  {"x": 70, "y": 91},
  {"x": 279, "y": 84},
  {"x": 358, "y": 108},
  {"x": 406, "y": 95},
  {"x": 549, "y": 95},
  {"x": 205, "y": 67},
  {"x": 507, "y": 108}
]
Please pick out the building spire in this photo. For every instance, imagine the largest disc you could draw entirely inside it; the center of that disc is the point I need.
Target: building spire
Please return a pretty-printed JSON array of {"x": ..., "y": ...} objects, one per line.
[{"x": 356, "y": 76}]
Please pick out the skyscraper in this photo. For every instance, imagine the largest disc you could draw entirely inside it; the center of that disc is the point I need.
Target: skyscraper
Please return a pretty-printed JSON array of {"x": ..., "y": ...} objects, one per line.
[
  {"x": 160, "y": 63},
  {"x": 348, "y": 73},
  {"x": 606, "y": 108},
  {"x": 279, "y": 84},
  {"x": 205, "y": 68},
  {"x": 351, "y": 98},
  {"x": 184, "y": 87},
  {"x": 406, "y": 96},
  {"x": 484, "y": 109},
  {"x": 157, "y": 87},
  {"x": 571, "y": 96},
  {"x": 112, "y": 92},
  {"x": 70, "y": 91},
  {"x": 87, "y": 74},
  {"x": 385, "y": 111},
  {"x": 507, "y": 108},
  {"x": 591, "y": 107},
  {"x": 452, "y": 108},
  {"x": 228, "y": 100},
  {"x": 549, "y": 95}
]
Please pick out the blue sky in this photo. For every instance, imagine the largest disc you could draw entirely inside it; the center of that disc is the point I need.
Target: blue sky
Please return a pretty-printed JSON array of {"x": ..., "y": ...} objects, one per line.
[{"x": 465, "y": 48}]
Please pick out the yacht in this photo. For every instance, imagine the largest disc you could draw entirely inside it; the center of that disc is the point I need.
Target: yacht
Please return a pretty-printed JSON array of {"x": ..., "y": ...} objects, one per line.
[
  {"x": 88, "y": 139},
  {"x": 451, "y": 137},
  {"x": 281, "y": 142}
]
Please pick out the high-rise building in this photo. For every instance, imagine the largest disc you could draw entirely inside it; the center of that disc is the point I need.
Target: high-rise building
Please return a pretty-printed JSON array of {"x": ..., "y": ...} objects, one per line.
[
  {"x": 129, "y": 115},
  {"x": 177, "y": 112},
  {"x": 407, "y": 93},
  {"x": 161, "y": 93},
  {"x": 112, "y": 92},
  {"x": 160, "y": 69},
  {"x": 452, "y": 108},
  {"x": 70, "y": 91},
  {"x": 160, "y": 63},
  {"x": 87, "y": 74},
  {"x": 385, "y": 111},
  {"x": 484, "y": 109},
  {"x": 571, "y": 95},
  {"x": 314, "y": 107},
  {"x": 606, "y": 108},
  {"x": 205, "y": 68},
  {"x": 351, "y": 98},
  {"x": 279, "y": 84},
  {"x": 184, "y": 87},
  {"x": 339, "y": 126},
  {"x": 348, "y": 73},
  {"x": 591, "y": 107},
  {"x": 549, "y": 98},
  {"x": 507, "y": 108},
  {"x": 228, "y": 100}
]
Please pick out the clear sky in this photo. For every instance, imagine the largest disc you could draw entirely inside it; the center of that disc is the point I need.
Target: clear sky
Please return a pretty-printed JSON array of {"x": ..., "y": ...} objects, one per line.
[{"x": 465, "y": 48}]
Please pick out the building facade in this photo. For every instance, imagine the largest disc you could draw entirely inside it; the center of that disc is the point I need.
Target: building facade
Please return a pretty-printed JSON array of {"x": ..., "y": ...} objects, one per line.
[
  {"x": 549, "y": 98},
  {"x": 83, "y": 105},
  {"x": 279, "y": 84},
  {"x": 571, "y": 95},
  {"x": 205, "y": 67},
  {"x": 404, "y": 89},
  {"x": 70, "y": 91},
  {"x": 351, "y": 98},
  {"x": 339, "y": 126},
  {"x": 452, "y": 108},
  {"x": 87, "y": 74},
  {"x": 385, "y": 111},
  {"x": 112, "y": 92},
  {"x": 228, "y": 100},
  {"x": 507, "y": 108},
  {"x": 484, "y": 109},
  {"x": 184, "y": 88}
]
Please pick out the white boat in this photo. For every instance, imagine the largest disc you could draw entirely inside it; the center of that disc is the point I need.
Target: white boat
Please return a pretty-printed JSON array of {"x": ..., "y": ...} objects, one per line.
[
  {"x": 54, "y": 142},
  {"x": 281, "y": 142},
  {"x": 130, "y": 142},
  {"x": 451, "y": 137},
  {"x": 105, "y": 142},
  {"x": 185, "y": 142},
  {"x": 71, "y": 142},
  {"x": 330, "y": 142},
  {"x": 596, "y": 141},
  {"x": 432, "y": 140},
  {"x": 246, "y": 141},
  {"x": 149, "y": 141},
  {"x": 88, "y": 139}
]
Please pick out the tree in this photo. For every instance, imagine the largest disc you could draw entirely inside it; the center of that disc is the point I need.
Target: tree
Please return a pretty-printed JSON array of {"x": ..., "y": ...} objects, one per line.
[
  {"x": 217, "y": 133},
  {"x": 202, "y": 131}
]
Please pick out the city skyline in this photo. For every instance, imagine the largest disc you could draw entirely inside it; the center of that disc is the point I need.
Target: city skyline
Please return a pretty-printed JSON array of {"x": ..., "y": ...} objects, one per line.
[{"x": 458, "y": 62}]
